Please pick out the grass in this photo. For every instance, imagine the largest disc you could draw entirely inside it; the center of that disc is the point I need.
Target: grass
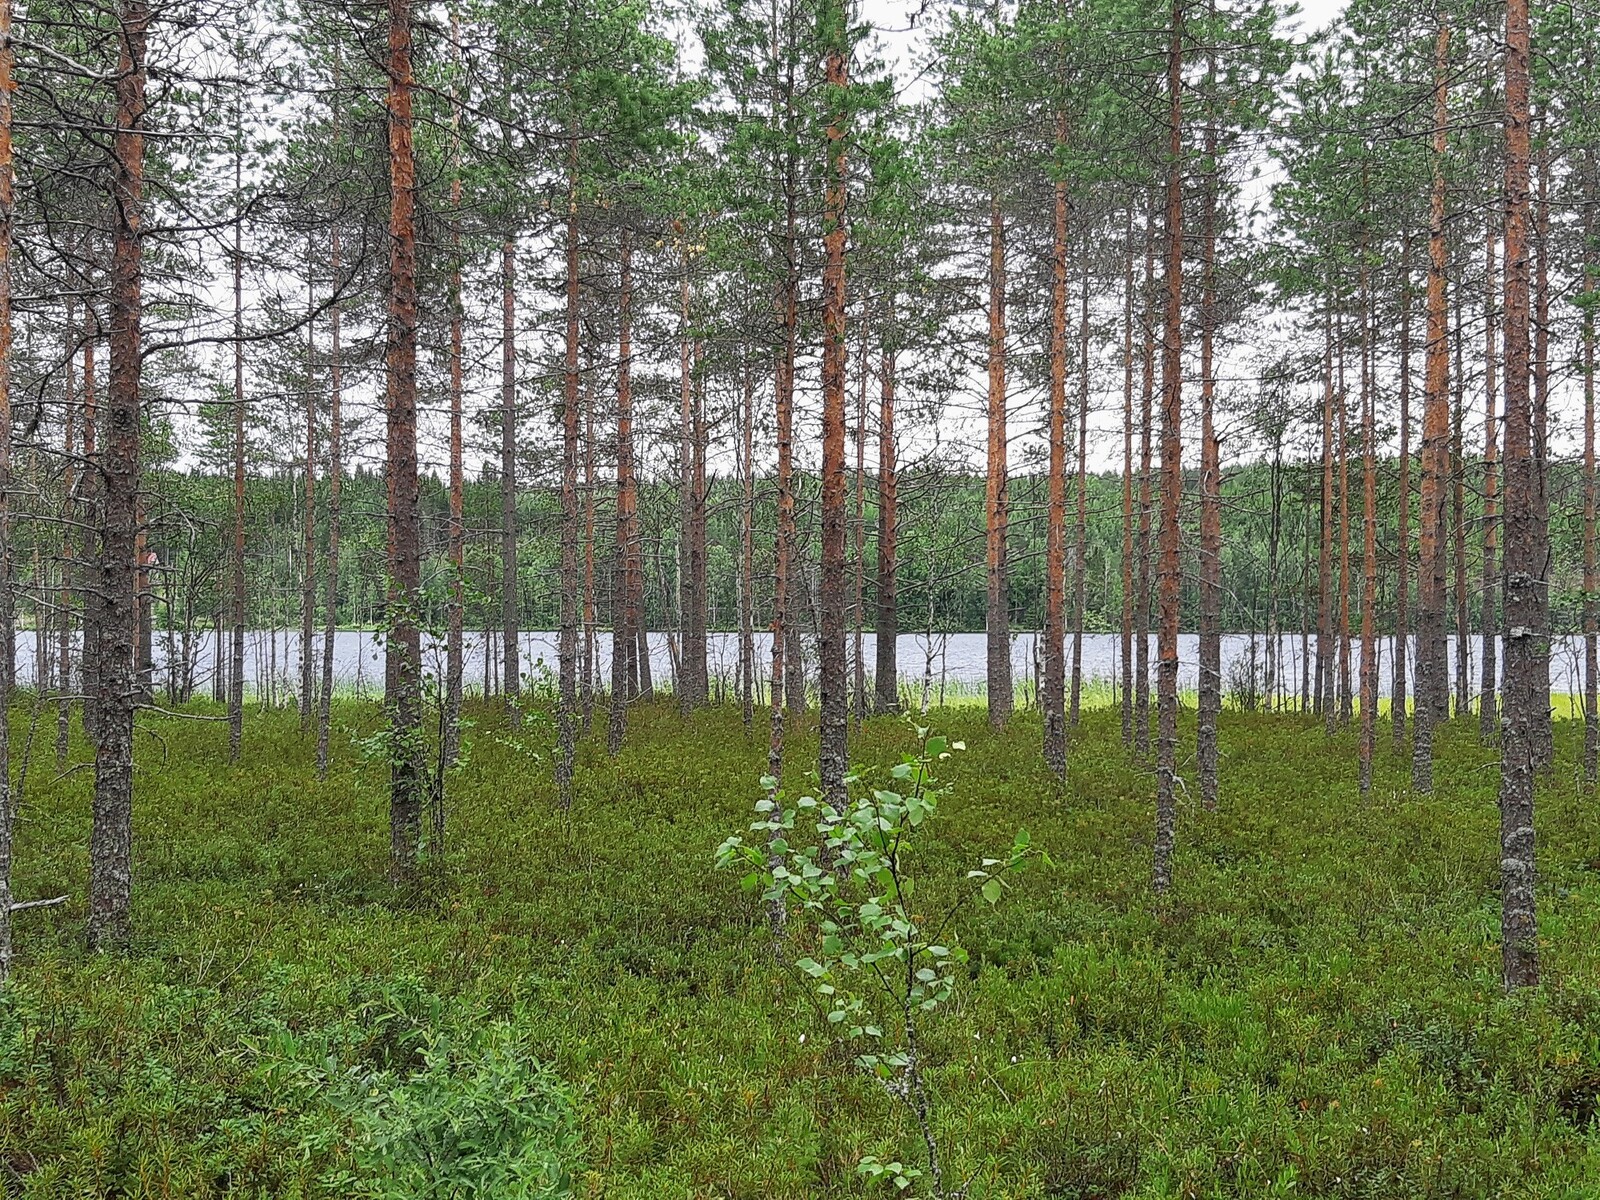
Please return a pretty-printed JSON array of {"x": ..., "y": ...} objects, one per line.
[{"x": 1319, "y": 1014}]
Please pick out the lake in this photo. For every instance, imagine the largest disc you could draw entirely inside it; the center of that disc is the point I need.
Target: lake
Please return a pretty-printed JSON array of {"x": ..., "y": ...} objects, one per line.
[{"x": 958, "y": 659}]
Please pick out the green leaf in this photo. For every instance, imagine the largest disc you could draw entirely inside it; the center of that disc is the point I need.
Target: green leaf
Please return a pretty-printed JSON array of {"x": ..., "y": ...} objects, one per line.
[{"x": 991, "y": 891}]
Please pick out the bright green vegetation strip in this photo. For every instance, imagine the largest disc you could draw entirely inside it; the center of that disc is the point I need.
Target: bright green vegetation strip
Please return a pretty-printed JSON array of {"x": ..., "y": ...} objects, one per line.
[{"x": 590, "y": 1008}]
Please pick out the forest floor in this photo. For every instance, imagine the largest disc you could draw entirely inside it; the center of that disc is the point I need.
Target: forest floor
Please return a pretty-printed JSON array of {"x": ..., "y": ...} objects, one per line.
[{"x": 588, "y": 1004}]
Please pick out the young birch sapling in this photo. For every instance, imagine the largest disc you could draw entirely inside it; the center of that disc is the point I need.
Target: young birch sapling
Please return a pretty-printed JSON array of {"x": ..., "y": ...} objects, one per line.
[{"x": 879, "y": 971}]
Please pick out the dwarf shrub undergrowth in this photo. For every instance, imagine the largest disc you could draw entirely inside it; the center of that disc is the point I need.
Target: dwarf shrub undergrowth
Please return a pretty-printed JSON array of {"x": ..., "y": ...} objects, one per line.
[{"x": 1317, "y": 1014}]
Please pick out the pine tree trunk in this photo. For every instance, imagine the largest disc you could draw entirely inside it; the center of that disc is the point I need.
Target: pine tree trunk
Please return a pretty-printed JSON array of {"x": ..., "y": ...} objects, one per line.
[
  {"x": 627, "y": 622},
  {"x": 1523, "y": 541},
  {"x": 1168, "y": 581},
  {"x": 403, "y": 642},
  {"x": 1488, "y": 705},
  {"x": 308, "y": 541},
  {"x": 567, "y": 649},
  {"x": 457, "y": 546},
  {"x": 330, "y": 618},
  {"x": 1343, "y": 414},
  {"x": 1324, "y": 691},
  {"x": 69, "y": 492},
  {"x": 1458, "y": 522},
  {"x": 111, "y": 841},
  {"x": 858, "y": 534},
  {"x": 1431, "y": 679},
  {"x": 1081, "y": 555},
  {"x": 1402, "y": 566},
  {"x": 1209, "y": 700},
  {"x": 94, "y": 617},
  {"x": 1541, "y": 710},
  {"x": 237, "y": 605},
  {"x": 1053, "y": 685},
  {"x": 1141, "y": 554},
  {"x": 586, "y": 679},
  {"x": 1369, "y": 534},
  {"x": 997, "y": 612},
  {"x": 7, "y": 612},
  {"x": 1591, "y": 501},
  {"x": 691, "y": 544},
  {"x": 886, "y": 626},
  {"x": 1127, "y": 488},
  {"x": 832, "y": 762},
  {"x": 747, "y": 552},
  {"x": 510, "y": 592},
  {"x": 789, "y": 321}
]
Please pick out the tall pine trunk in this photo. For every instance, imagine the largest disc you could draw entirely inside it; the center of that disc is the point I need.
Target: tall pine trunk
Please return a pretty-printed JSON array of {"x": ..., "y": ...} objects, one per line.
[
  {"x": 1523, "y": 541},
  {"x": 510, "y": 592},
  {"x": 1458, "y": 530},
  {"x": 567, "y": 647},
  {"x": 858, "y": 536},
  {"x": 1324, "y": 689},
  {"x": 1081, "y": 553},
  {"x": 457, "y": 544},
  {"x": 747, "y": 550},
  {"x": 788, "y": 303},
  {"x": 1431, "y": 679},
  {"x": 1591, "y": 500},
  {"x": 1142, "y": 553},
  {"x": 834, "y": 708},
  {"x": 886, "y": 625},
  {"x": 1402, "y": 553},
  {"x": 7, "y": 613},
  {"x": 94, "y": 620},
  {"x": 330, "y": 617},
  {"x": 691, "y": 546},
  {"x": 1053, "y": 686},
  {"x": 308, "y": 532},
  {"x": 1488, "y": 705},
  {"x": 997, "y": 618},
  {"x": 1209, "y": 701},
  {"x": 587, "y": 600},
  {"x": 1126, "y": 645},
  {"x": 1343, "y": 414},
  {"x": 1168, "y": 581},
  {"x": 1369, "y": 535},
  {"x": 69, "y": 491},
  {"x": 628, "y": 588},
  {"x": 237, "y": 566},
  {"x": 403, "y": 641},
  {"x": 111, "y": 840},
  {"x": 1541, "y": 710}
]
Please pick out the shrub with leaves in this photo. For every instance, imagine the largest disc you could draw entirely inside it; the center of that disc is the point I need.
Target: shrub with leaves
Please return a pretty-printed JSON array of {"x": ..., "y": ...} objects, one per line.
[
  {"x": 427, "y": 1102},
  {"x": 480, "y": 1118},
  {"x": 877, "y": 969}
]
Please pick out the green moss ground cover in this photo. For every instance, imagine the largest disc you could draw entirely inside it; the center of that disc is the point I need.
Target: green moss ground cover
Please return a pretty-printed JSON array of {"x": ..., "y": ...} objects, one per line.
[{"x": 589, "y": 1008}]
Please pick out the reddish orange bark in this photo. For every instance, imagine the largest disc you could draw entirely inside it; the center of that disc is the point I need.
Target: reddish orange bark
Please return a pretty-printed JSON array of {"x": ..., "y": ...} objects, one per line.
[{"x": 403, "y": 643}]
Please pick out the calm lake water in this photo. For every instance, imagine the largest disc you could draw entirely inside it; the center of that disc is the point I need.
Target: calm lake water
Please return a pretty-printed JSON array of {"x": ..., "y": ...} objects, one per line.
[{"x": 956, "y": 659}]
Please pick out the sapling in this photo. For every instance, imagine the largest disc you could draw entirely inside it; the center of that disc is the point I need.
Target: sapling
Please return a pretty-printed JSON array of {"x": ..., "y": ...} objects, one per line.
[{"x": 879, "y": 972}]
